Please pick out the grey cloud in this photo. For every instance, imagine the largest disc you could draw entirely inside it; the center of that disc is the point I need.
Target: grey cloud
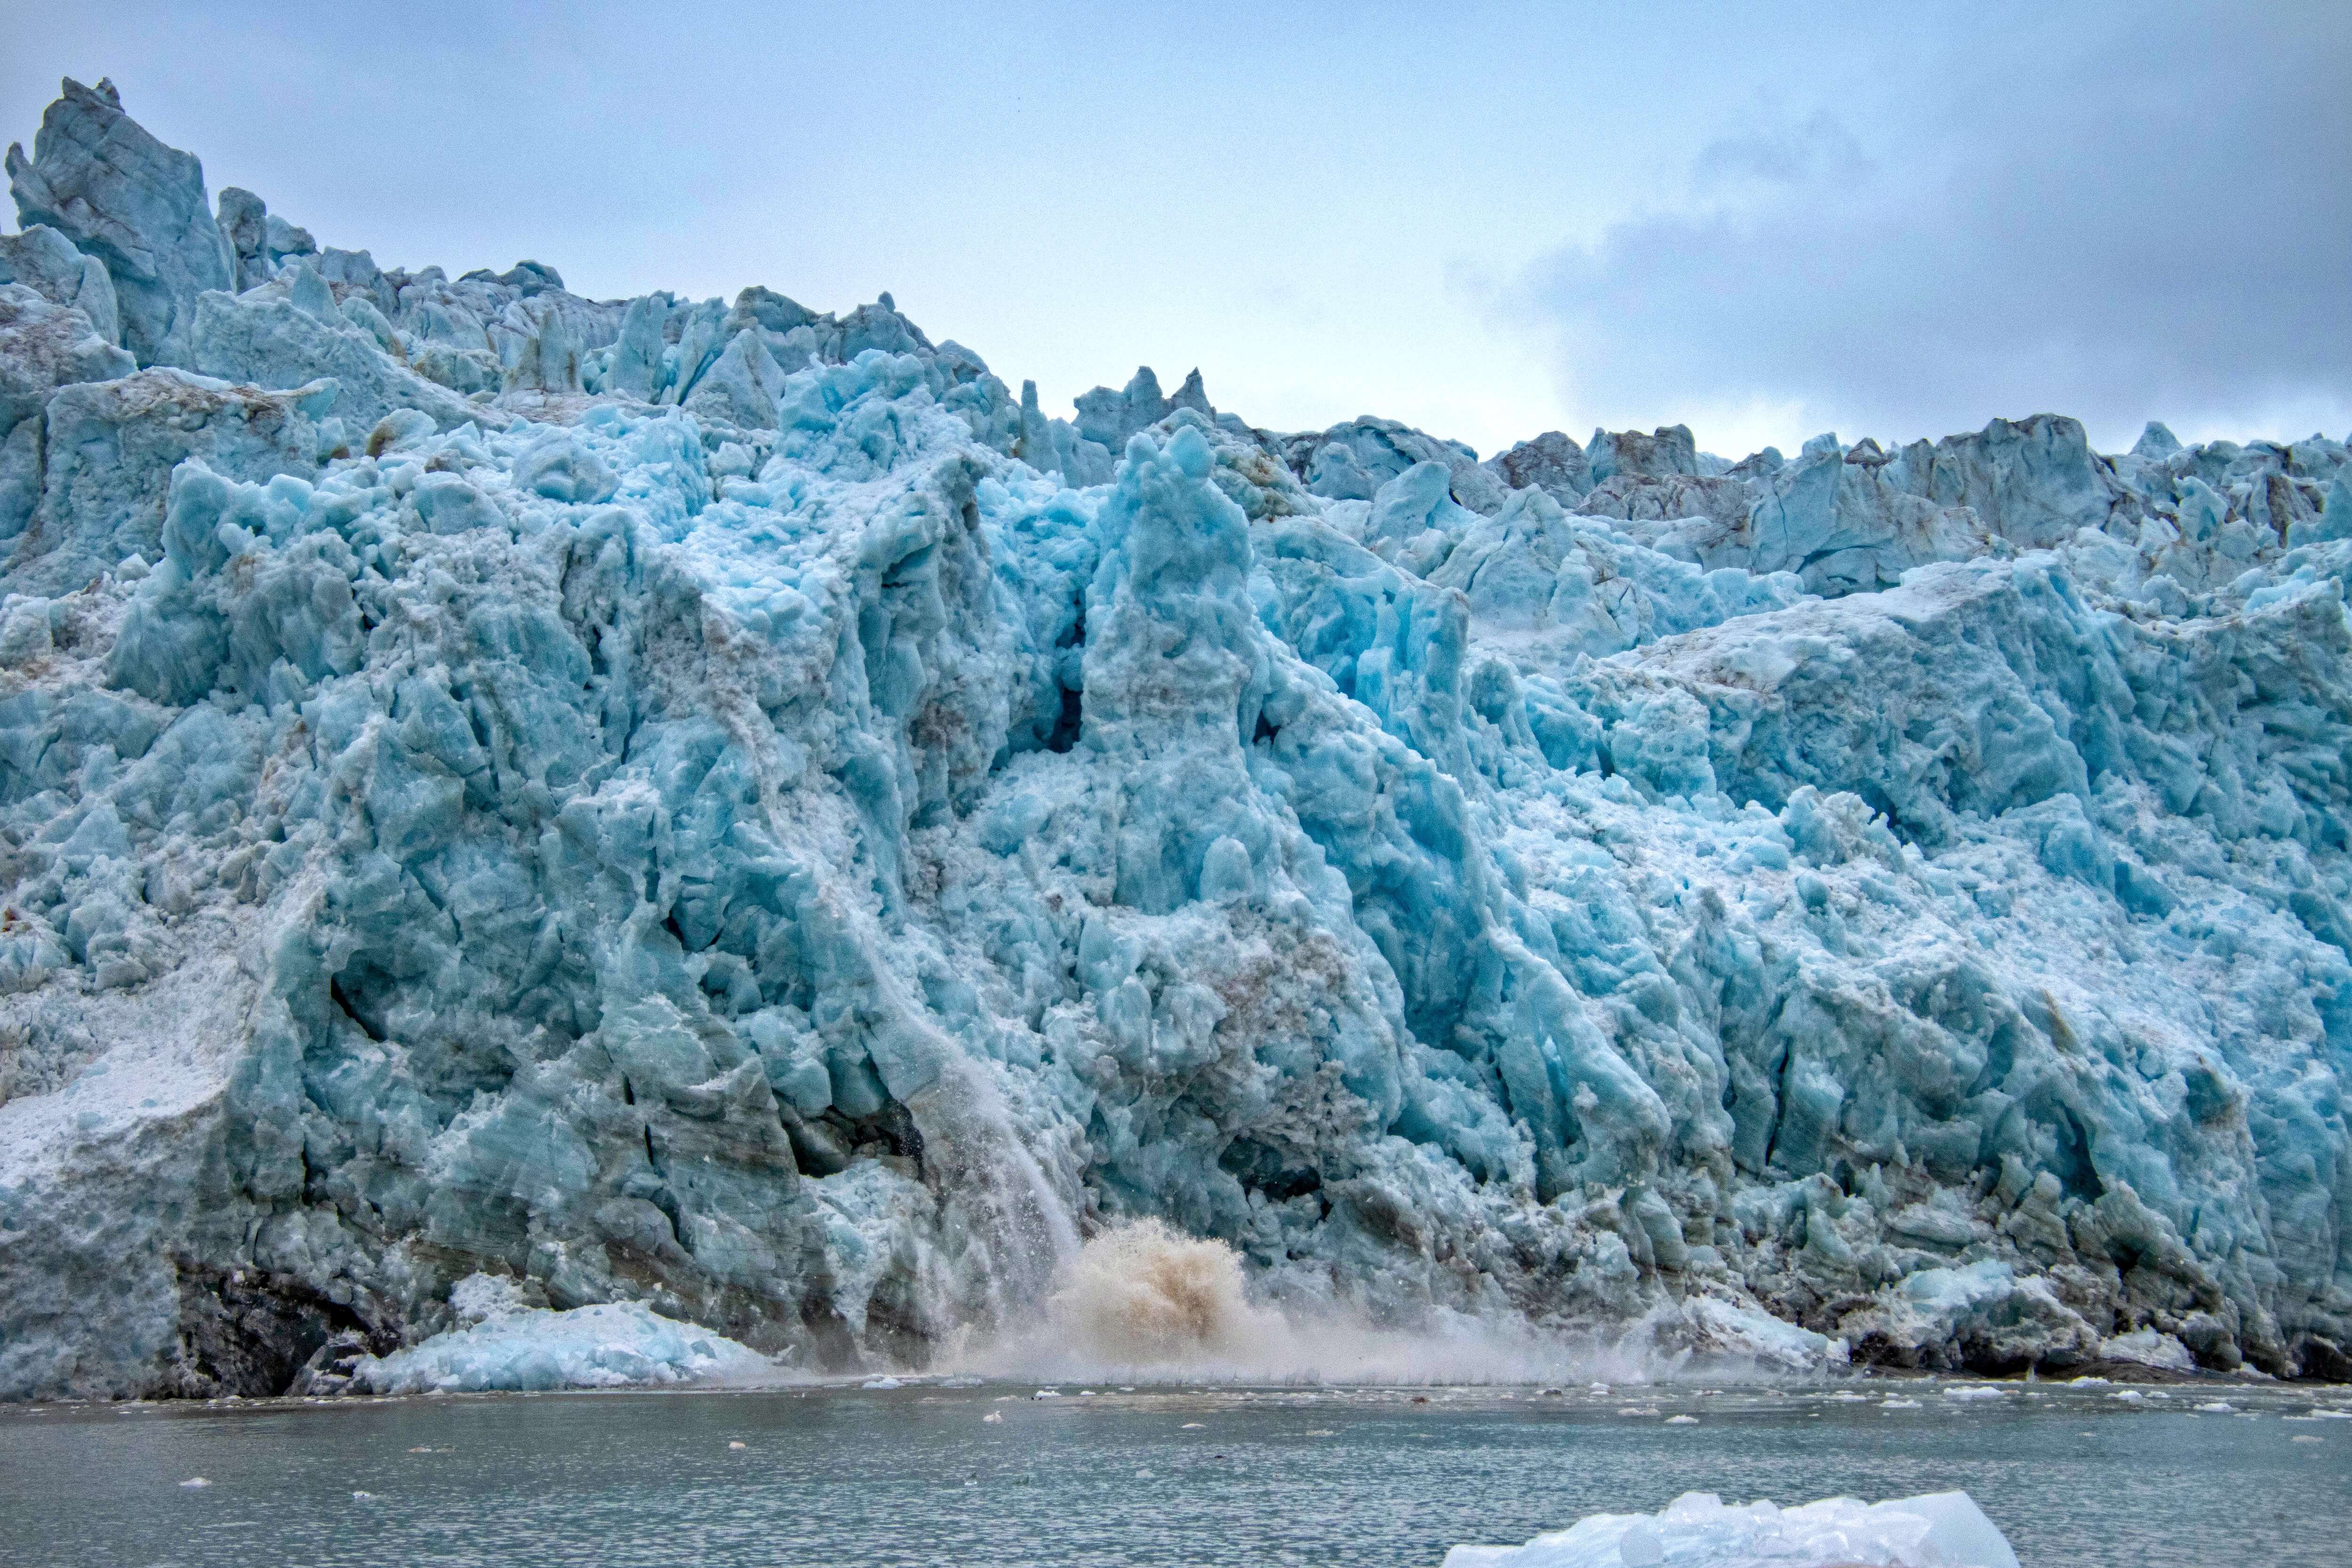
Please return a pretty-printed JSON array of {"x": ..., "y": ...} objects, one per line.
[
  {"x": 2148, "y": 218},
  {"x": 1820, "y": 148}
]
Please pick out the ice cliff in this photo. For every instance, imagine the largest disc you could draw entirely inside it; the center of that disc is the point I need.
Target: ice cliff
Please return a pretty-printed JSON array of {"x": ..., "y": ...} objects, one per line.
[{"x": 730, "y": 810}]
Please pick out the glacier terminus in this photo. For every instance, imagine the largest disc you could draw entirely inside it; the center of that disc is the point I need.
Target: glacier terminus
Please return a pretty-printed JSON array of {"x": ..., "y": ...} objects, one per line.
[{"x": 730, "y": 818}]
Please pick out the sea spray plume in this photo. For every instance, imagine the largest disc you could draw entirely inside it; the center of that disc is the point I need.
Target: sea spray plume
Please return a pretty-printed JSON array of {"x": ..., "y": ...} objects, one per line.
[
  {"x": 723, "y": 809},
  {"x": 1143, "y": 1302},
  {"x": 1143, "y": 1294}
]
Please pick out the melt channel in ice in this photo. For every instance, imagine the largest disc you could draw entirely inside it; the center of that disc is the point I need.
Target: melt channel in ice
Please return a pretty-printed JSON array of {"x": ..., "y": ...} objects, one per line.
[
  {"x": 1697, "y": 1530},
  {"x": 728, "y": 810}
]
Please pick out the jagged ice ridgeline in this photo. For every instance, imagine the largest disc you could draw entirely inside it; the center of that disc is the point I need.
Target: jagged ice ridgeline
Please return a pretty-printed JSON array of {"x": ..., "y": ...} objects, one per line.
[{"x": 726, "y": 809}]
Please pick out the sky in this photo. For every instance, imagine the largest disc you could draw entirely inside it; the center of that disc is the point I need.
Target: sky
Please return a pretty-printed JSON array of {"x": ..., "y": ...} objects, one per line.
[{"x": 1764, "y": 221}]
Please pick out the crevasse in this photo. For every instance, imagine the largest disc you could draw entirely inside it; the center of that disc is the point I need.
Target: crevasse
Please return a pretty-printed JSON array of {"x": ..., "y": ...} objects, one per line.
[{"x": 729, "y": 810}]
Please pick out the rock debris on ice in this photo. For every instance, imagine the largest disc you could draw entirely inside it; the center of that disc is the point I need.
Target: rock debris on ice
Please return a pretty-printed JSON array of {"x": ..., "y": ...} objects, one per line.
[{"x": 727, "y": 819}]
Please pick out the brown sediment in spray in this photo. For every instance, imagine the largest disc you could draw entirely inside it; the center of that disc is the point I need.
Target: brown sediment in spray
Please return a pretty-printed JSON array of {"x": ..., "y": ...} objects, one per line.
[{"x": 1143, "y": 1293}]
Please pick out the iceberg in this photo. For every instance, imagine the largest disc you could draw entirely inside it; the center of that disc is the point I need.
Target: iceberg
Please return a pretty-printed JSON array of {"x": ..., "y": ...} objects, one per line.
[
  {"x": 726, "y": 816},
  {"x": 616, "y": 1344},
  {"x": 1942, "y": 1530}
]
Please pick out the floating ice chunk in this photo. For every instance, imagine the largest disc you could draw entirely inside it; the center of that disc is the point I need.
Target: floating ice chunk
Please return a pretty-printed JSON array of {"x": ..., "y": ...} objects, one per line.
[
  {"x": 1943, "y": 1530},
  {"x": 2150, "y": 1348},
  {"x": 608, "y": 1346}
]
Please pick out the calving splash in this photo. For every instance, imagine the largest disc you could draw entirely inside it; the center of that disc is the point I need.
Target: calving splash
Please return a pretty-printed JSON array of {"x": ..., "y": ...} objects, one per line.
[
  {"x": 1146, "y": 1302},
  {"x": 1140, "y": 1303},
  {"x": 728, "y": 818}
]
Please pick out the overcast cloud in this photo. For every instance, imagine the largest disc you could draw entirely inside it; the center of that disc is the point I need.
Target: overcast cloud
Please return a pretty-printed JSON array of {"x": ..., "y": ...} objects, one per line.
[
  {"x": 2145, "y": 213},
  {"x": 1484, "y": 219}
]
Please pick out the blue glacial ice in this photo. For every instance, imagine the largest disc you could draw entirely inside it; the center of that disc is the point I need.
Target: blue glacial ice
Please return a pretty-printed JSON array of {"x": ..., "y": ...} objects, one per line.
[
  {"x": 1942, "y": 1530},
  {"x": 507, "y": 1345},
  {"x": 731, "y": 813}
]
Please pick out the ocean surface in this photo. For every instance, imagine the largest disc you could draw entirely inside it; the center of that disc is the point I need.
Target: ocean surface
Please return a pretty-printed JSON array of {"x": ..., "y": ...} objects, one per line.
[{"x": 920, "y": 1475}]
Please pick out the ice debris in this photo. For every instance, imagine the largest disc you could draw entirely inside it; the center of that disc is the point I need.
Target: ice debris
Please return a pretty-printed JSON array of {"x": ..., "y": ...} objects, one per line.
[
  {"x": 2150, "y": 1348},
  {"x": 1697, "y": 1530},
  {"x": 727, "y": 807},
  {"x": 610, "y": 1345}
]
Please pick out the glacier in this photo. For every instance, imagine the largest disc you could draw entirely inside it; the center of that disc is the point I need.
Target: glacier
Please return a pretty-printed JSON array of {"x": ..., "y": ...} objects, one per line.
[{"x": 727, "y": 815}]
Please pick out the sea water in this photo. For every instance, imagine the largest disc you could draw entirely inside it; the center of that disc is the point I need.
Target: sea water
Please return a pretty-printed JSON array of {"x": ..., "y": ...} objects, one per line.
[{"x": 993, "y": 1474}]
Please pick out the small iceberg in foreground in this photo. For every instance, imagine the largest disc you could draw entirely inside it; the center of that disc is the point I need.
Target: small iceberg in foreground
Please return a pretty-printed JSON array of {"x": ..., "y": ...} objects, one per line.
[
  {"x": 512, "y": 1348},
  {"x": 1943, "y": 1530}
]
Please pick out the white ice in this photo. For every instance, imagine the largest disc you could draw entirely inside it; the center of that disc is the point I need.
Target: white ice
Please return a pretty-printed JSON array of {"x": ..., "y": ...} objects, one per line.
[
  {"x": 1698, "y": 1530},
  {"x": 612, "y": 1345}
]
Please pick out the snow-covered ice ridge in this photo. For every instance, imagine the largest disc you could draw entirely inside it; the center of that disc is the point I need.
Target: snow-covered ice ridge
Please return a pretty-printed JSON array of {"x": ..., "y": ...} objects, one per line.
[{"x": 729, "y": 808}]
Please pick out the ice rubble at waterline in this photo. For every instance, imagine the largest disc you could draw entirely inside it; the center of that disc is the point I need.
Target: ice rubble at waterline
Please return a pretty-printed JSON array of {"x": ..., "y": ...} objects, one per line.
[
  {"x": 727, "y": 808},
  {"x": 504, "y": 1345}
]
